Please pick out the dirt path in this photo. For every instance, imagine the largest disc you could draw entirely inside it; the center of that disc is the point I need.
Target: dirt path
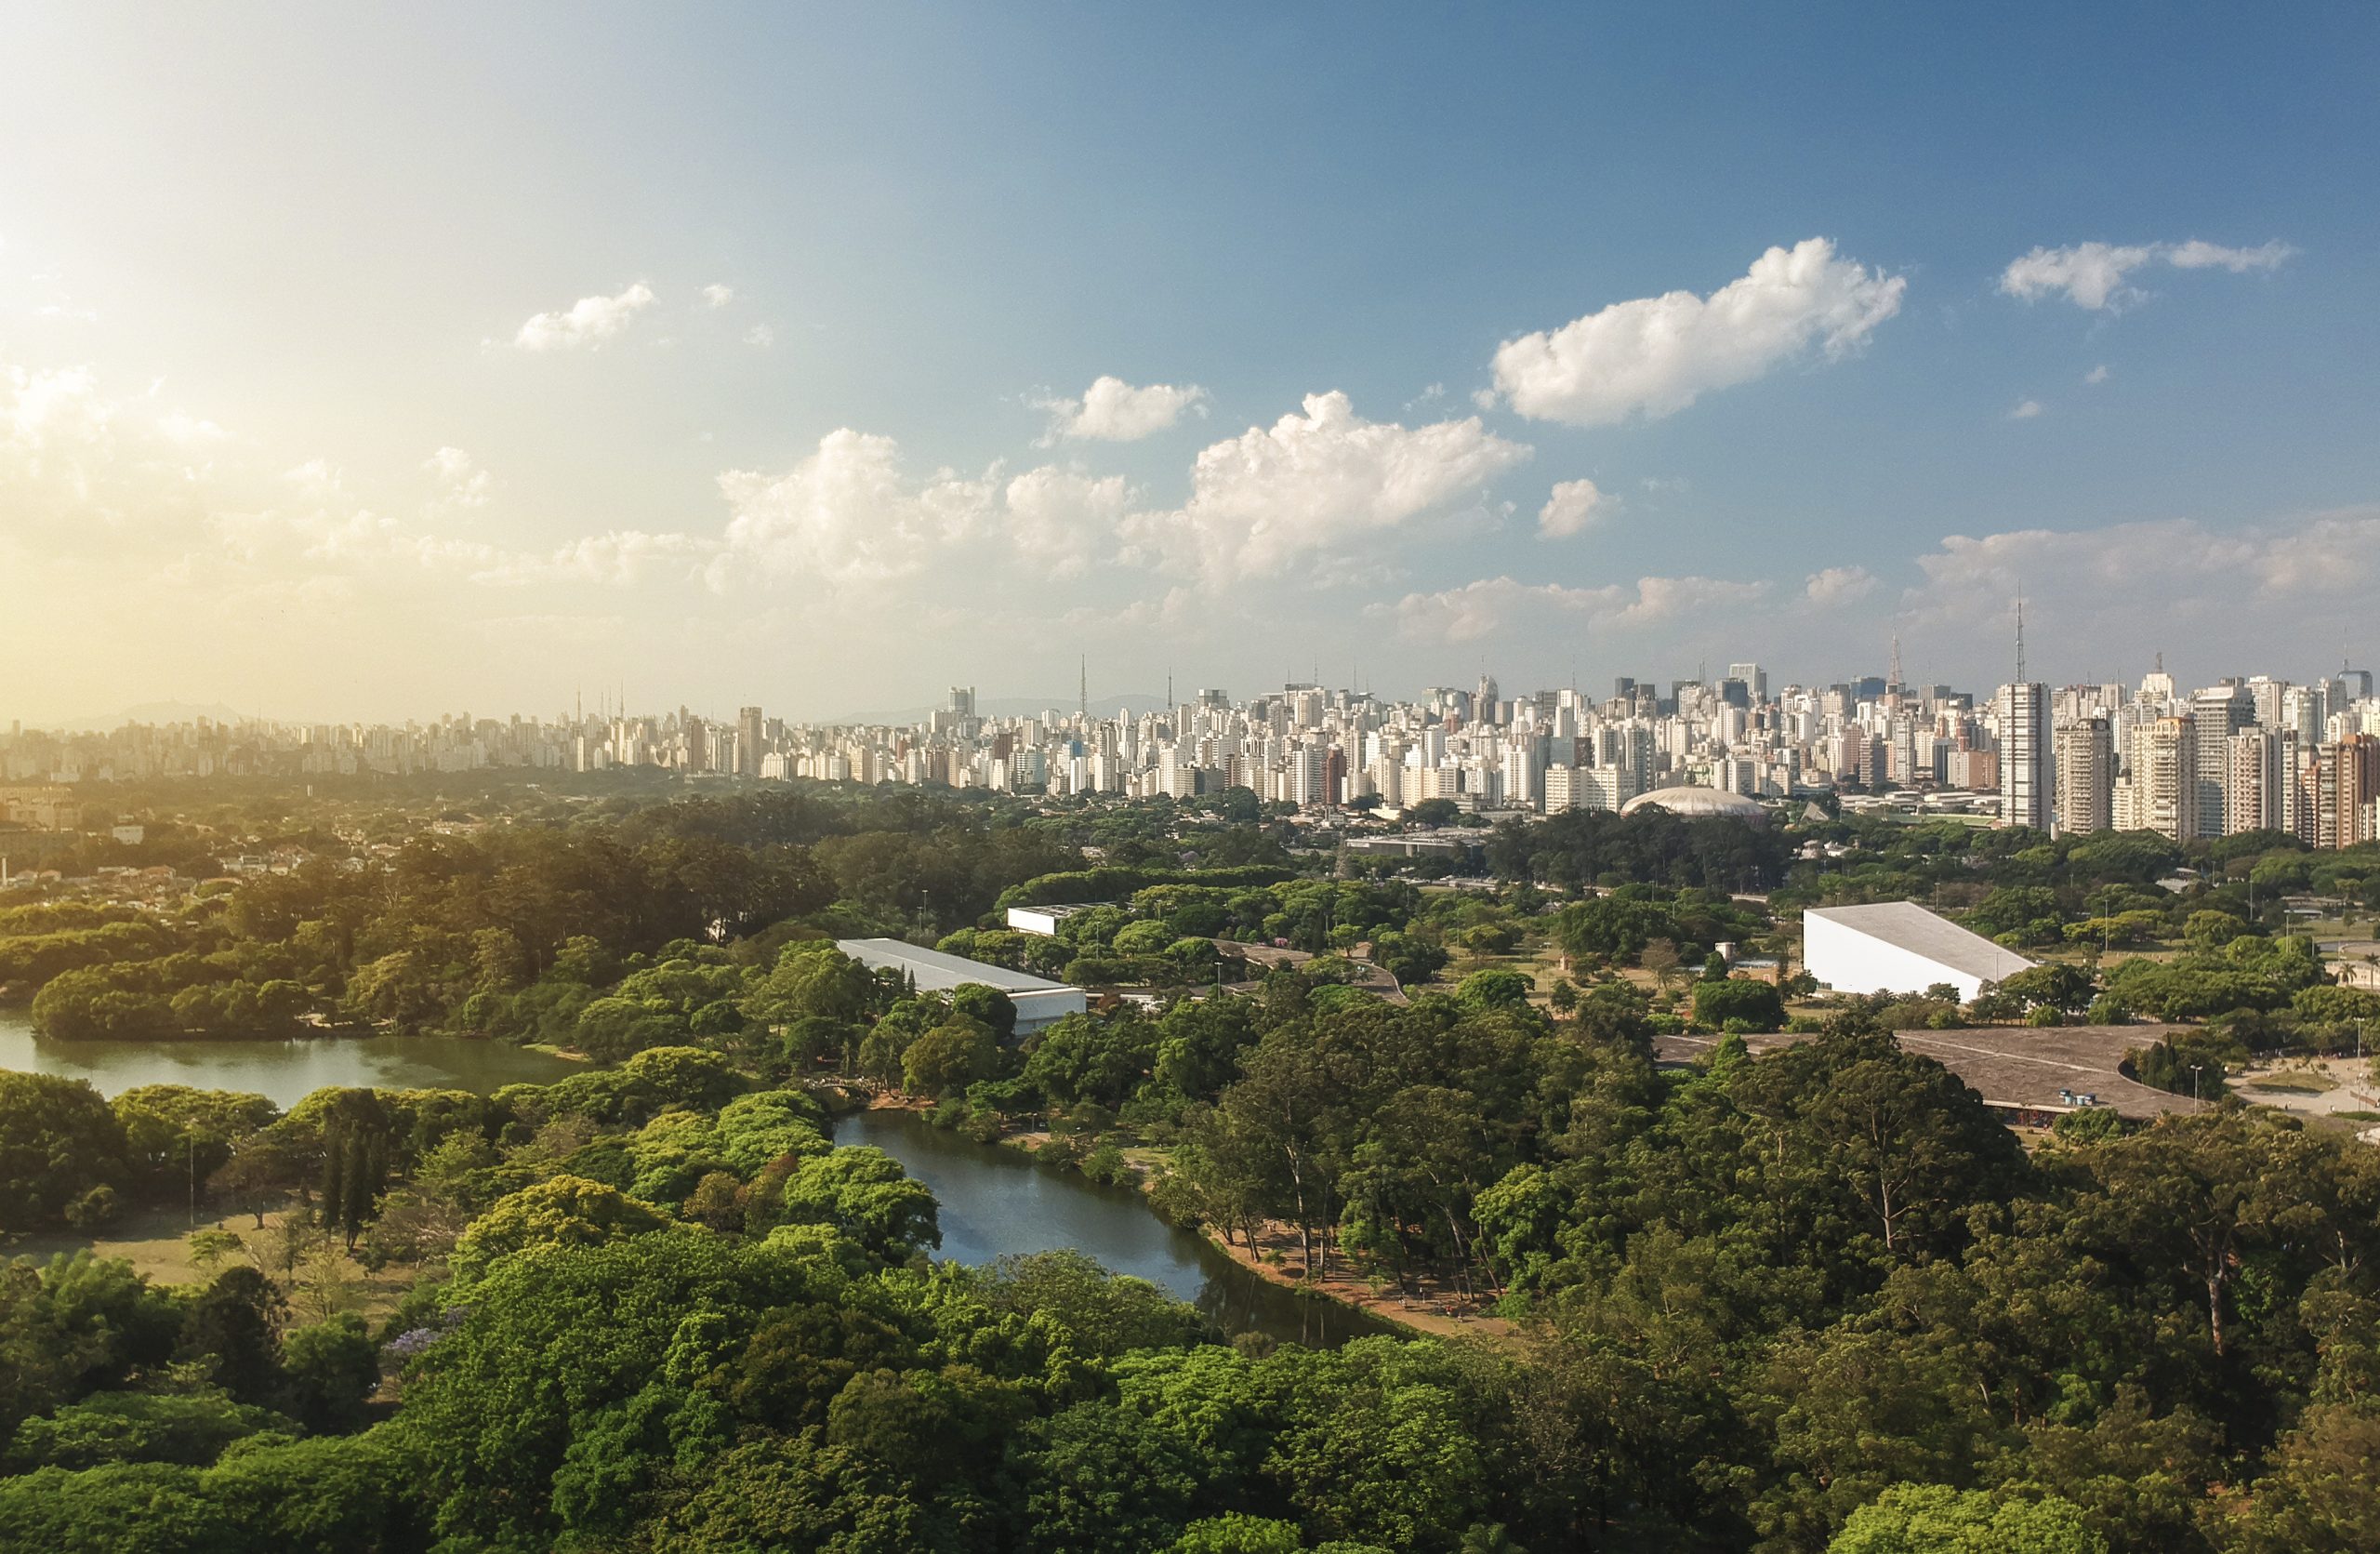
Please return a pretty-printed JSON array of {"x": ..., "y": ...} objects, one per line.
[{"x": 1437, "y": 1309}]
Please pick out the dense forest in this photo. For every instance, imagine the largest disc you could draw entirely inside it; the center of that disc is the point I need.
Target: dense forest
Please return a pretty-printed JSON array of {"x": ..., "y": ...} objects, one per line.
[{"x": 1817, "y": 1298}]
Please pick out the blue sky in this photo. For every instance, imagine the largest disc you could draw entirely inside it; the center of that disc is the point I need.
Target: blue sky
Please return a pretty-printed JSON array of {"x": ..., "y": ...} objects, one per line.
[{"x": 280, "y": 425}]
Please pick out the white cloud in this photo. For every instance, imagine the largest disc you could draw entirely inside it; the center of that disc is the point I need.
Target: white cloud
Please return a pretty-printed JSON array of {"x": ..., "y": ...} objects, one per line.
[
  {"x": 460, "y": 482},
  {"x": 1573, "y": 506},
  {"x": 590, "y": 321},
  {"x": 1066, "y": 519},
  {"x": 2025, "y": 410},
  {"x": 1655, "y": 355},
  {"x": 188, "y": 432},
  {"x": 2096, "y": 375},
  {"x": 2195, "y": 255},
  {"x": 718, "y": 295},
  {"x": 2097, "y": 275},
  {"x": 1839, "y": 585},
  {"x": 760, "y": 335},
  {"x": 618, "y": 559},
  {"x": 2091, "y": 275},
  {"x": 317, "y": 479},
  {"x": 846, "y": 514},
  {"x": 1499, "y": 604},
  {"x": 61, "y": 407},
  {"x": 1315, "y": 483},
  {"x": 1111, "y": 410}
]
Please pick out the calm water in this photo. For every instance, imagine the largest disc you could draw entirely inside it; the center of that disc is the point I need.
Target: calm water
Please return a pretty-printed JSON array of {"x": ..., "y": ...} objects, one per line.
[
  {"x": 995, "y": 1203},
  {"x": 284, "y": 1072}
]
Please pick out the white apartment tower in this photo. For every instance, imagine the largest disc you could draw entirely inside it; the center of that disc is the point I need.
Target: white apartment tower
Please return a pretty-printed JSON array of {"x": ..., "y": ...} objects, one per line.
[
  {"x": 2160, "y": 790},
  {"x": 2086, "y": 776},
  {"x": 2255, "y": 782},
  {"x": 2026, "y": 777}
]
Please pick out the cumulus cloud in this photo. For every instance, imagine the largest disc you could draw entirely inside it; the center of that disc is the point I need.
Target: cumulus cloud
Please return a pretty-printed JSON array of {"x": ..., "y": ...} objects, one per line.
[
  {"x": 1656, "y": 355},
  {"x": 848, "y": 514},
  {"x": 47, "y": 408},
  {"x": 718, "y": 295},
  {"x": 1114, "y": 411},
  {"x": 1494, "y": 604},
  {"x": 2025, "y": 410},
  {"x": 2097, "y": 275},
  {"x": 186, "y": 431},
  {"x": 760, "y": 335},
  {"x": 1839, "y": 585},
  {"x": 460, "y": 482},
  {"x": 617, "y": 559},
  {"x": 2096, "y": 375},
  {"x": 1573, "y": 506},
  {"x": 1315, "y": 483},
  {"x": 1064, "y": 519},
  {"x": 589, "y": 322}
]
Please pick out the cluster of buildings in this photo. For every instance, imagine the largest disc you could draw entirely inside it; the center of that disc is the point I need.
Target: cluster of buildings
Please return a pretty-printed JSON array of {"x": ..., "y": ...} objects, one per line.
[{"x": 2244, "y": 754}]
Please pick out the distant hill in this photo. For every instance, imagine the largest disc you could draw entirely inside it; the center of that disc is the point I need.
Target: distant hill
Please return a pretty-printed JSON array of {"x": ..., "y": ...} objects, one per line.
[{"x": 151, "y": 712}]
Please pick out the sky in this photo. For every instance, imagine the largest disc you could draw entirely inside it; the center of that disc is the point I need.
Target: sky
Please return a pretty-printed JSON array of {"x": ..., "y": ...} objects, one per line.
[{"x": 377, "y": 363}]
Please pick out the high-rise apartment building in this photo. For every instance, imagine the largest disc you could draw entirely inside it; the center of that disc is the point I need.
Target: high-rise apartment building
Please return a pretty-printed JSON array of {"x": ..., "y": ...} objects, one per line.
[
  {"x": 2218, "y": 711},
  {"x": 749, "y": 744},
  {"x": 2160, "y": 790},
  {"x": 2026, "y": 783},
  {"x": 2255, "y": 781},
  {"x": 2086, "y": 776},
  {"x": 2340, "y": 799}
]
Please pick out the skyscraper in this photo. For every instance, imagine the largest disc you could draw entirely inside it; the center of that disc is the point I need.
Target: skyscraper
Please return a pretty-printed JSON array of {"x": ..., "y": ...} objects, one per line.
[
  {"x": 2255, "y": 781},
  {"x": 2026, "y": 784},
  {"x": 2160, "y": 790},
  {"x": 2219, "y": 711},
  {"x": 2086, "y": 776},
  {"x": 748, "y": 741}
]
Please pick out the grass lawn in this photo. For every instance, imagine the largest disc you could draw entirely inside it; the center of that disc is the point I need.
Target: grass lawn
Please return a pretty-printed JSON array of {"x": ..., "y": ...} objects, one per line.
[{"x": 156, "y": 1241}]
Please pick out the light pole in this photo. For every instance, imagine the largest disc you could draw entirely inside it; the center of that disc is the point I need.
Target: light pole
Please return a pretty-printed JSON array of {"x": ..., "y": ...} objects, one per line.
[{"x": 2196, "y": 1070}]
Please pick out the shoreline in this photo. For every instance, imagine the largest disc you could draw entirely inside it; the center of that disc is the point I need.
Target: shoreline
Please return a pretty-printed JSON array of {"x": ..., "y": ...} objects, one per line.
[{"x": 1344, "y": 1287}]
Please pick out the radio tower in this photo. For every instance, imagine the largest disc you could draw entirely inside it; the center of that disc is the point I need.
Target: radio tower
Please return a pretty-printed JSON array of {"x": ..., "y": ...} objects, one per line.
[
  {"x": 2020, "y": 637},
  {"x": 1083, "y": 668},
  {"x": 1894, "y": 684}
]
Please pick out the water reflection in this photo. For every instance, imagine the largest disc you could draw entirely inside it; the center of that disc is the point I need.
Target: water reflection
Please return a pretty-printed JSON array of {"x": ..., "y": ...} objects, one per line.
[
  {"x": 283, "y": 1071},
  {"x": 996, "y": 1202}
]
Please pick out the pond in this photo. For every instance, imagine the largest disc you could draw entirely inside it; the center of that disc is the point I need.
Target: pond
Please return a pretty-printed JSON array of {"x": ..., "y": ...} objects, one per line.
[
  {"x": 285, "y": 1073},
  {"x": 996, "y": 1202}
]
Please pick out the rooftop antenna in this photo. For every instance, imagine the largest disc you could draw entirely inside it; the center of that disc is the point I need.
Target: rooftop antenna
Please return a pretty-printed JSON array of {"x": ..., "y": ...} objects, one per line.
[
  {"x": 1083, "y": 665},
  {"x": 2020, "y": 636}
]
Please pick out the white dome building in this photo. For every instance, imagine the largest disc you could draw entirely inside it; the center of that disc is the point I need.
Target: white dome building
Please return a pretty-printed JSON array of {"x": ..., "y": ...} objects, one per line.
[{"x": 1699, "y": 804}]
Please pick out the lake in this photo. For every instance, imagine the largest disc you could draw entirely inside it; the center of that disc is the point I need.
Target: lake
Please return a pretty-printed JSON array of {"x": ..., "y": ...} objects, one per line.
[
  {"x": 285, "y": 1073},
  {"x": 996, "y": 1202}
]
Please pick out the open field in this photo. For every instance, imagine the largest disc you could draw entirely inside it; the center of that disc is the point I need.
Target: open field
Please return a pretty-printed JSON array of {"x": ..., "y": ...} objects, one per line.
[{"x": 2013, "y": 1066}]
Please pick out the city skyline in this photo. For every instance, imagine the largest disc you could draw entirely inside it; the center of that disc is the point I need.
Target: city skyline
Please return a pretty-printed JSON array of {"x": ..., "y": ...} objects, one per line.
[
  {"x": 2248, "y": 754},
  {"x": 1441, "y": 344}
]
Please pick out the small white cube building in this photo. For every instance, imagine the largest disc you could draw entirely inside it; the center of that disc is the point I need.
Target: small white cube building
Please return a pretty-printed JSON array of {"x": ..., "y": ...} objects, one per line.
[
  {"x": 1898, "y": 947},
  {"x": 1041, "y": 920}
]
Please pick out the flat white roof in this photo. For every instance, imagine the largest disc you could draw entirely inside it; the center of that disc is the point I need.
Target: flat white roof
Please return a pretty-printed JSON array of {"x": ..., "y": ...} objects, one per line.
[
  {"x": 935, "y": 971},
  {"x": 1906, "y": 925}
]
